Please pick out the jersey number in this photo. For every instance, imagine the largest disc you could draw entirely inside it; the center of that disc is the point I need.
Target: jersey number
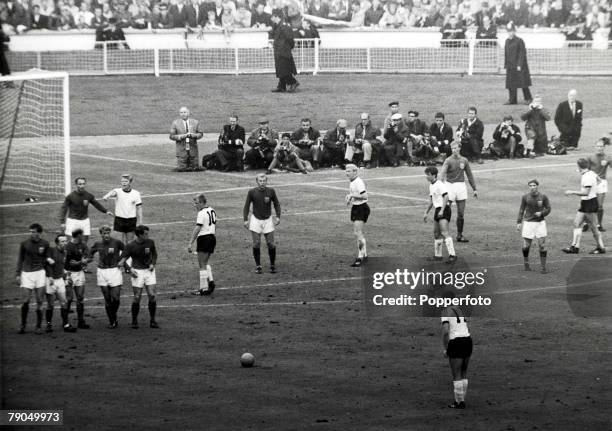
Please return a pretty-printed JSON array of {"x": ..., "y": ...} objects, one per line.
[{"x": 212, "y": 218}]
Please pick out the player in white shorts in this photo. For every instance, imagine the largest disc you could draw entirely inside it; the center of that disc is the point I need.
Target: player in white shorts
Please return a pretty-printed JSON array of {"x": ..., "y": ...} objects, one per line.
[
  {"x": 438, "y": 193},
  {"x": 76, "y": 262},
  {"x": 599, "y": 163},
  {"x": 534, "y": 207},
  {"x": 262, "y": 221},
  {"x": 56, "y": 285},
  {"x": 128, "y": 208},
  {"x": 109, "y": 276},
  {"x": 587, "y": 212},
  {"x": 360, "y": 211},
  {"x": 204, "y": 232}
]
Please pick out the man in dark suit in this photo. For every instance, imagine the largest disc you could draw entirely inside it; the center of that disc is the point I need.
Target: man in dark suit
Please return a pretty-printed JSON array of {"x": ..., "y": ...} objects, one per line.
[
  {"x": 283, "y": 59},
  {"x": 260, "y": 18},
  {"x": 38, "y": 21},
  {"x": 568, "y": 119},
  {"x": 231, "y": 146},
  {"x": 178, "y": 13},
  {"x": 443, "y": 133},
  {"x": 517, "y": 70},
  {"x": 470, "y": 132}
]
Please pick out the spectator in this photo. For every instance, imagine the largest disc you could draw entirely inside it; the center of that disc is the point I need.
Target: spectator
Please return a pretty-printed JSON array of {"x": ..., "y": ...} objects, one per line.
[
  {"x": 339, "y": 10},
  {"x": 443, "y": 133},
  {"x": 466, "y": 16},
  {"x": 113, "y": 35},
  {"x": 84, "y": 17},
  {"x": 123, "y": 16},
  {"x": 568, "y": 119},
  {"x": 107, "y": 11},
  {"x": 374, "y": 14},
  {"x": 141, "y": 16},
  {"x": 579, "y": 33},
  {"x": 367, "y": 142},
  {"x": 506, "y": 139},
  {"x": 396, "y": 136},
  {"x": 211, "y": 21},
  {"x": 334, "y": 145},
  {"x": 178, "y": 13},
  {"x": 575, "y": 15},
  {"x": 519, "y": 14},
  {"x": 38, "y": 21},
  {"x": 163, "y": 19},
  {"x": 231, "y": 146},
  {"x": 228, "y": 20},
  {"x": 596, "y": 19},
  {"x": 18, "y": 18},
  {"x": 487, "y": 31},
  {"x": 319, "y": 8},
  {"x": 557, "y": 15},
  {"x": 484, "y": 11},
  {"x": 66, "y": 20},
  {"x": 453, "y": 31},
  {"x": 470, "y": 131},
  {"x": 358, "y": 11},
  {"x": 243, "y": 15},
  {"x": 47, "y": 8},
  {"x": 416, "y": 130},
  {"x": 308, "y": 142},
  {"x": 427, "y": 152},
  {"x": 306, "y": 31},
  {"x": 535, "y": 128},
  {"x": 260, "y": 18},
  {"x": 98, "y": 19},
  {"x": 74, "y": 10},
  {"x": 394, "y": 16},
  {"x": 536, "y": 18},
  {"x": 500, "y": 13},
  {"x": 263, "y": 141}
]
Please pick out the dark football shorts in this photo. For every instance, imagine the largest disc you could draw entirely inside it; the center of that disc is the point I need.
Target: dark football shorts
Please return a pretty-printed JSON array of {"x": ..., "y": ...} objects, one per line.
[
  {"x": 589, "y": 206},
  {"x": 442, "y": 215},
  {"x": 206, "y": 244},
  {"x": 360, "y": 212},
  {"x": 124, "y": 225},
  {"x": 460, "y": 347}
]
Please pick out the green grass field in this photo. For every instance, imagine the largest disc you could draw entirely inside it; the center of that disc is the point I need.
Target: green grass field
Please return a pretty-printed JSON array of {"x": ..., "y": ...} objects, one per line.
[{"x": 321, "y": 361}]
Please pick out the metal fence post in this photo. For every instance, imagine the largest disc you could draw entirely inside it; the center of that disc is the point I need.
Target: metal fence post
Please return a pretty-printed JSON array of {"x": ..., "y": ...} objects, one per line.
[
  {"x": 156, "y": 62},
  {"x": 236, "y": 62},
  {"x": 472, "y": 50},
  {"x": 369, "y": 59},
  {"x": 316, "y": 56},
  {"x": 105, "y": 57}
]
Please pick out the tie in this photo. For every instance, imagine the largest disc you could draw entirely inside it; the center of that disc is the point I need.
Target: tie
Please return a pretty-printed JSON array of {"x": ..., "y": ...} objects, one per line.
[{"x": 186, "y": 126}]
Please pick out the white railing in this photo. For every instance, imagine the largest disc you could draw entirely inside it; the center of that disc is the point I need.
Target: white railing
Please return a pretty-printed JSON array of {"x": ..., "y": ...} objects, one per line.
[{"x": 468, "y": 56}]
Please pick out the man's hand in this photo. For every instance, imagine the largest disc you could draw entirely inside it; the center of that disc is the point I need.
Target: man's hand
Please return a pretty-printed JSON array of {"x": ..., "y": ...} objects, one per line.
[
  {"x": 50, "y": 281},
  {"x": 110, "y": 213},
  {"x": 18, "y": 279},
  {"x": 151, "y": 267},
  {"x": 276, "y": 220},
  {"x": 63, "y": 227},
  {"x": 518, "y": 227},
  {"x": 50, "y": 261},
  {"x": 518, "y": 68},
  {"x": 476, "y": 194},
  {"x": 538, "y": 213},
  {"x": 246, "y": 224},
  {"x": 425, "y": 218},
  {"x": 569, "y": 193}
]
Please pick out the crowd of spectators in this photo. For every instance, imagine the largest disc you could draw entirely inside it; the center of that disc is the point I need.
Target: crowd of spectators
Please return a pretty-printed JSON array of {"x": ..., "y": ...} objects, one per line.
[{"x": 578, "y": 17}]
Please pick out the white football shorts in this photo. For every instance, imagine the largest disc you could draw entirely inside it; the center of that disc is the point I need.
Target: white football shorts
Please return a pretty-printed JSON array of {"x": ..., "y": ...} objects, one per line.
[
  {"x": 457, "y": 191},
  {"x": 534, "y": 229},
  {"x": 261, "y": 226}
]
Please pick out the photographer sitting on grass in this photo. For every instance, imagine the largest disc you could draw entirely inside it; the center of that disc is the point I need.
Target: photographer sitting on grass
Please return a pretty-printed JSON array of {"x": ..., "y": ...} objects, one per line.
[
  {"x": 286, "y": 157},
  {"x": 506, "y": 139}
]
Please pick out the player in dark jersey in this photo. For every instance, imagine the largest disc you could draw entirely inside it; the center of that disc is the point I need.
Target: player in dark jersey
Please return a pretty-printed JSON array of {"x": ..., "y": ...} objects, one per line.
[
  {"x": 76, "y": 262},
  {"x": 262, "y": 221},
  {"x": 109, "y": 276},
  {"x": 144, "y": 257},
  {"x": 534, "y": 207},
  {"x": 599, "y": 163},
  {"x": 56, "y": 284},
  {"x": 31, "y": 277}
]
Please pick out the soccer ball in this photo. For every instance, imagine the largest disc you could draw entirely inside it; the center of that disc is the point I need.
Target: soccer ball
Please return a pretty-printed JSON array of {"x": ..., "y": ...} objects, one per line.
[{"x": 247, "y": 360}]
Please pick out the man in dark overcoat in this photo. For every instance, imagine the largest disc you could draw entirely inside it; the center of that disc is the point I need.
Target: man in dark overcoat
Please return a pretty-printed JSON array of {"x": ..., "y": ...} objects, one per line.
[
  {"x": 282, "y": 34},
  {"x": 517, "y": 70}
]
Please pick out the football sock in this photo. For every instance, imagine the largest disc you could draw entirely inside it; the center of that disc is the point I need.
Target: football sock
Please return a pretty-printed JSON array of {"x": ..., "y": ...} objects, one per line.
[
  {"x": 203, "y": 279},
  {"x": 272, "y": 254},
  {"x": 64, "y": 313},
  {"x": 577, "y": 236},
  {"x": 257, "y": 255},
  {"x": 543, "y": 258},
  {"x": 68, "y": 304},
  {"x": 80, "y": 311},
  {"x": 599, "y": 240},
  {"x": 458, "y": 390},
  {"x": 115, "y": 306},
  {"x": 465, "y": 386},
  {"x": 449, "y": 246},
  {"x": 210, "y": 275},
  {"x": 135, "y": 310},
  {"x": 24, "y": 313},
  {"x": 526, "y": 254},
  {"x": 152, "y": 309},
  {"x": 438, "y": 247},
  {"x": 38, "y": 318},
  {"x": 49, "y": 314},
  {"x": 459, "y": 226},
  {"x": 109, "y": 312}
]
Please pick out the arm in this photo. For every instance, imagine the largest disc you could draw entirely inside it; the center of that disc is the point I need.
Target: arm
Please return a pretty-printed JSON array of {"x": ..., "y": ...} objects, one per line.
[
  {"x": 64, "y": 211},
  {"x": 194, "y": 235},
  {"x": 247, "y": 207},
  {"x": 111, "y": 194},
  {"x": 20, "y": 259},
  {"x": 174, "y": 133},
  {"x": 99, "y": 206},
  {"x": 445, "y": 336},
  {"x": 429, "y": 207},
  {"x": 497, "y": 133},
  {"x": 546, "y": 206},
  {"x": 153, "y": 255},
  {"x": 468, "y": 173},
  {"x": 545, "y": 114},
  {"x": 139, "y": 214},
  {"x": 584, "y": 191},
  {"x": 198, "y": 132},
  {"x": 277, "y": 205},
  {"x": 519, "y": 218},
  {"x": 442, "y": 174}
]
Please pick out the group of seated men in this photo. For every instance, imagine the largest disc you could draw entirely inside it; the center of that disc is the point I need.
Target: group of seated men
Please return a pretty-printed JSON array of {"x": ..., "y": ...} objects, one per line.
[{"x": 401, "y": 140}]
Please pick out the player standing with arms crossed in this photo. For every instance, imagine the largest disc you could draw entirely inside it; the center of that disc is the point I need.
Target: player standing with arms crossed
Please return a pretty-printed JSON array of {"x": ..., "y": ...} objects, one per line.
[
  {"x": 534, "y": 207},
  {"x": 108, "y": 275},
  {"x": 76, "y": 206},
  {"x": 454, "y": 170},
  {"x": 262, "y": 221},
  {"x": 34, "y": 254},
  {"x": 438, "y": 194},
  {"x": 76, "y": 262},
  {"x": 204, "y": 232},
  {"x": 458, "y": 348},
  {"x": 56, "y": 284},
  {"x": 144, "y": 257},
  {"x": 599, "y": 164},
  {"x": 588, "y": 209},
  {"x": 128, "y": 208},
  {"x": 360, "y": 211}
]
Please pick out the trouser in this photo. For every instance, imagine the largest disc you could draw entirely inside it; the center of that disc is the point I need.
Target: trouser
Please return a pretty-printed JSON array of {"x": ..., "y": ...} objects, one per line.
[
  {"x": 366, "y": 148},
  {"x": 225, "y": 157},
  {"x": 311, "y": 153},
  {"x": 332, "y": 156},
  {"x": 256, "y": 158},
  {"x": 187, "y": 159},
  {"x": 512, "y": 93},
  {"x": 506, "y": 147},
  {"x": 471, "y": 147},
  {"x": 283, "y": 81},
  {"x": 392, "y": 152},
  {"x": 570, "y": 139}
]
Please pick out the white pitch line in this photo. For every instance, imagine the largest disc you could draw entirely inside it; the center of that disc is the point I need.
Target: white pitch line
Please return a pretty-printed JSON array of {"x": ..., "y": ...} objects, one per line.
[{"x": 369, "y": 192}]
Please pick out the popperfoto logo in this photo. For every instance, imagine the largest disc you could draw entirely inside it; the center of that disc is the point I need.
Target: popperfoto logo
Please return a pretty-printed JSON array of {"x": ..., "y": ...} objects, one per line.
[{"x": 393, "y": 286}]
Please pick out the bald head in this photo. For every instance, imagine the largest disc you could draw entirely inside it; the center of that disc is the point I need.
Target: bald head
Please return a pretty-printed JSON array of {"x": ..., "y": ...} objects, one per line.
[
  {"x": 571, "y": 95},
  {"x": 184, "y": 112}
]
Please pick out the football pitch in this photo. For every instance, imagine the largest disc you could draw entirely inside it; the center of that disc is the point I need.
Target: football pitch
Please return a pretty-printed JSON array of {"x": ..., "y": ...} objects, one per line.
[{"x": 321, "y": 361}]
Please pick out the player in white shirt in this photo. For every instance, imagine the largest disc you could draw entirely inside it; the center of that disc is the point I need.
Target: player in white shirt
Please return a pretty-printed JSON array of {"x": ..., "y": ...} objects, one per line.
[
  {"x": 588, "y": 208},
  {"x": 204, "y": 232},
  {"x": 457, "y": 348},
  {"x": 360, "y": 211},
  {"x": 438, "y": 194},
  {"x": 128, "y": 208}
]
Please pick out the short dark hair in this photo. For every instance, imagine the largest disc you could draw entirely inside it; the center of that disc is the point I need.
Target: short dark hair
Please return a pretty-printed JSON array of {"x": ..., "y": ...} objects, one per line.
[
  {"x": 37, "y": 227},
  {"x": 201, "y": 198},
  {"x": 59, "y": 236},
  {"x": 583, "y": 163},
  {"x": 76, "y": 180},
  {"x": 439, "y": 115},
  {"x": 416, "y": 113},
  {"x": 140, "y": 229},
  {"x": 473, "y": 108},
  {"x": 305, "y": 120},
  {"x": 508, "y": 117},
  {"x": 432, "y": 170},
  {"x": 77, "y": 232},
  {"x": 534, "y": 181},
  {"x": 393, "y": 103}
]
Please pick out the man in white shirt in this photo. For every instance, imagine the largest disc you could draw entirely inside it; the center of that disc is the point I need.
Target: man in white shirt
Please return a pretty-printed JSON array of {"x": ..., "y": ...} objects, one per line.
[
  {"x": 360, "y": 211},
  {"x": 204, "y": 232},
  {"x": 128, "y": 208},
  {"x": 588, "y": 209},
  {"x": 438, "y": 194}
]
